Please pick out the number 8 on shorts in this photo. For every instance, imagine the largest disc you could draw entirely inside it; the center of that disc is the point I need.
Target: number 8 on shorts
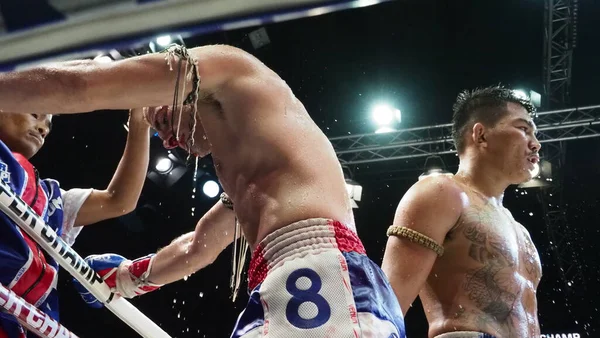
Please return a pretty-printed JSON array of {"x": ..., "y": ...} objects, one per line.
[{"x": 303, "y": 297}]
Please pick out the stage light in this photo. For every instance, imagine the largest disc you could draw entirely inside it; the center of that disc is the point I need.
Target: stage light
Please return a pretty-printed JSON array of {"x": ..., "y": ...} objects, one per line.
[
  {"x": 434, "y": 172},
  {"x": 211, "y": 188},
  {"x": 536, "y": 170},
  {"x": 164, "y": 165},
  {"x": 536, "y": 98},
  {"x": 434, "y": 166},
  {"x": 103, "y": 59},
  {"x": 354, "y": 190},
  {"x": 384, "y": 115},
  {"x": 540, "y": 175},
  {"x": 384, "y": 130},
  {"x": 521, "y": 94},
  {"x": 163, "y": 40}
]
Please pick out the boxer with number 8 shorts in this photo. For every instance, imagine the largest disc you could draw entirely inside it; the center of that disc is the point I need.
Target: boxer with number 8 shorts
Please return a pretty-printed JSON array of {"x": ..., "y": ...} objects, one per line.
[
  {"x": 284, "y": 188},
  {"x": 313, "y": 279}
]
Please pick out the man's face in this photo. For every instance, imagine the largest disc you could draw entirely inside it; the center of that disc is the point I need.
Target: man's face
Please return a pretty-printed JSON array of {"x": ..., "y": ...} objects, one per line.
[
  {"x": 512, "y": 145},
  {"x": 24, "y": 133},
  {"x": 176, "y": 128}
]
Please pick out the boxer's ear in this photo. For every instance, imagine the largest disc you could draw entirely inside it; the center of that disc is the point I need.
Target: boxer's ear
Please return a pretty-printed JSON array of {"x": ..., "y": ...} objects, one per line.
[{"x": 478, "y": 134}]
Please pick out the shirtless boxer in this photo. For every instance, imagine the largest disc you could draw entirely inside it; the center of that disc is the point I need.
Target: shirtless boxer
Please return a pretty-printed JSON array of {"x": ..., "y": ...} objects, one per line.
[
  {"x": 309, "y": 274},
  {"x": 24, "y": 268},
  {"x": 455, "y": 245}
]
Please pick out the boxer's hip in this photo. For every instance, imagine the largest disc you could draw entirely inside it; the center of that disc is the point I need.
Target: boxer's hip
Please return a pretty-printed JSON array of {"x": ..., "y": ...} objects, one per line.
[{"x": 313, "y": 279}]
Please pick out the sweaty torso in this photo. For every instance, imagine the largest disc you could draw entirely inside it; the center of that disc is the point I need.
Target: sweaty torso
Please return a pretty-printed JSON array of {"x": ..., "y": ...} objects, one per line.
[
  {"x": 271, "y": 158},
  {"x": 486, "y": 280}
]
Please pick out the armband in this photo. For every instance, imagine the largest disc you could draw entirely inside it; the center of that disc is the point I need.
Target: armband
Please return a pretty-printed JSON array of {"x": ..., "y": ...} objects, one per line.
[
  {"x": 227, "y": 202},
  {"x": 416, "y": 237}
]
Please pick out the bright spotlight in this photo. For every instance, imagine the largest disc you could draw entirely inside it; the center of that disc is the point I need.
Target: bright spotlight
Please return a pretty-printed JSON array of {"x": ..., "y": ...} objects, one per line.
[
  {"x": 211, "y": 188},
  {"x": 535, "y": 171},
  {"x": 164, "y": 165},
  {"x": 103, "y": 59},
  {"x": 354, "y": 190},
  {"x": 384, "y": 130},
  {"x": 384, "y": 115},
  {"x": 163, "y": 40},
  {"x": 541, "y": 174},
  {"x": 536, "y": 98},
  {"x": 521, "y": 94}
]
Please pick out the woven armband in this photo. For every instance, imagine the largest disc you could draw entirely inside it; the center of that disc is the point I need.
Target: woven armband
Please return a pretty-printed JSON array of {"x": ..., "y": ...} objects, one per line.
[{"x": 416, "y": 237}]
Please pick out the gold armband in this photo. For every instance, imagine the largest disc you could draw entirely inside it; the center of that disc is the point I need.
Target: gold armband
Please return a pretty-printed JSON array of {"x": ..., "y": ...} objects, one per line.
[
  {"x": 416, "y": 237},
  {"x": 227, "y": 202}
]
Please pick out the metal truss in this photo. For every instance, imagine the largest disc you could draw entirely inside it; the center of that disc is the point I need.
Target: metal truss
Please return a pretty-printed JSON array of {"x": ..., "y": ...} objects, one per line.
[
  {"x": 553, "y": 126},
  {"x": 560, "y": 33},
  {"x": 560, "y": 18}
]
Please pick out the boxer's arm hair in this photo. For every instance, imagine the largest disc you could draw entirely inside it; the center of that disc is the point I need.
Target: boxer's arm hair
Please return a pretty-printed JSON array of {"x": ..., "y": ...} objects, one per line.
[
  {"x": 430, "y": 207},
  {"x": 195, "y": 250},
  {"x": 142, "y": 81}
]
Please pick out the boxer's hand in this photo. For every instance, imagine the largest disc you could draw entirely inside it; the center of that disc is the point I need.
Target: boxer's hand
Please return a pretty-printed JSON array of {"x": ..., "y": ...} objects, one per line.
[{"x": 123, "y": 277}]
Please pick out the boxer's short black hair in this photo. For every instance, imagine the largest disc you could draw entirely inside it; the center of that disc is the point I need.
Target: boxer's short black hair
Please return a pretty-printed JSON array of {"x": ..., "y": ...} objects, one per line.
[{"x": 485, "y": 105}]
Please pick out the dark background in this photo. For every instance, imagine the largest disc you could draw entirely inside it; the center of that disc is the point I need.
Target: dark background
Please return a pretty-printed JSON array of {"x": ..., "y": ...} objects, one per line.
[{"x": 417, "y": 55}]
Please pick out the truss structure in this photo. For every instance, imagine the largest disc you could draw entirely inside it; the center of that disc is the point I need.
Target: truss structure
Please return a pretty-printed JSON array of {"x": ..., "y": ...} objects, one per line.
[
  {"x": 560, "y": 38},
  {"x": 560, "y": 19},
  {"x": 553, "y": 126}
]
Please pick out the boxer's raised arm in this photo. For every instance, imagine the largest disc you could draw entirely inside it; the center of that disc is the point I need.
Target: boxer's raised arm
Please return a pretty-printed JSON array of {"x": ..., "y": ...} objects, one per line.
[
  {"x": 142, "y": 81},
  {"x": 195, "y": 250},
  {"x": 430, "y": 207}
]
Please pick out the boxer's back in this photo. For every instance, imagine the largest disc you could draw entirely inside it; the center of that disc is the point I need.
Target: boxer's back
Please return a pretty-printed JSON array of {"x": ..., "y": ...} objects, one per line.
[
  {"x": 487, "y": 278},
  {"x": 271, "y": 158}
]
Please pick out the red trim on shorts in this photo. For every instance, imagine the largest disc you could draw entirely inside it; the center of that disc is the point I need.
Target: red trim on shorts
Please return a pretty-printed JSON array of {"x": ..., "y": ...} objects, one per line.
[
  {"x": 346, "y": 239},
  {"x": 258, "y": 269}
]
